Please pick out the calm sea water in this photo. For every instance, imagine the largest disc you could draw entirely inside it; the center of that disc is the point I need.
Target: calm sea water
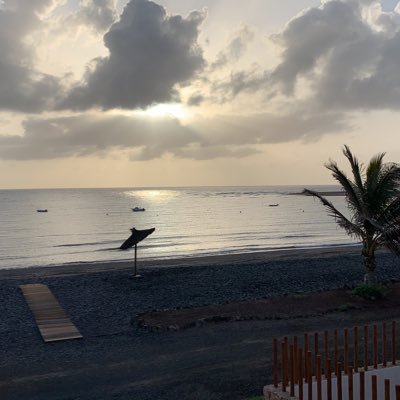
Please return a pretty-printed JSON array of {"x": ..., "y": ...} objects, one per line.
[{"x": 87, "y": 225}]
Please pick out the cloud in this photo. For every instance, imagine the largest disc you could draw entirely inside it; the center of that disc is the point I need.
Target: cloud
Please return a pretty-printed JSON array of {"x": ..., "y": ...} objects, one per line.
[
  {"x": 338, "y": 58},
  {"x": 249, "y": 81},
  {"x": 234, "y": 49},
  {"x": 269, "y": 128},
  {"x": 348, "y": 53},
  {"x": 204, "y": 152},
  {"x": 98, "y": 13},
  {"x": 140, "y": 138},
  {"x": 150, "y": 53},
  {"x": 195, "y": 100},
  {"x": 22, "y": 87},
  {"x": 95, "y": 135},
  {"x": 342, "y": 56}
]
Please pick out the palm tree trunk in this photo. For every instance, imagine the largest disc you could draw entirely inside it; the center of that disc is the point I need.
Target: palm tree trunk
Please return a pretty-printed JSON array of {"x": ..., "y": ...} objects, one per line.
[{"x": 370, "y": 277}]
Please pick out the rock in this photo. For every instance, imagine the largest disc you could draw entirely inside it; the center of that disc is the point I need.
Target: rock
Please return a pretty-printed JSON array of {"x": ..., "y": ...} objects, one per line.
[{"x": 173, "y": 328}]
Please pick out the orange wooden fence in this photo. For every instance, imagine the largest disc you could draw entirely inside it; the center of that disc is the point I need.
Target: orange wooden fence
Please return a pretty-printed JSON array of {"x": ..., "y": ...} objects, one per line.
[{"x": 297, "y": 362}]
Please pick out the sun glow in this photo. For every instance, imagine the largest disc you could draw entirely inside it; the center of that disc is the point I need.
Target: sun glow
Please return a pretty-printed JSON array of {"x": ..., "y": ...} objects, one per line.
[{"x": 173, "y": 110}]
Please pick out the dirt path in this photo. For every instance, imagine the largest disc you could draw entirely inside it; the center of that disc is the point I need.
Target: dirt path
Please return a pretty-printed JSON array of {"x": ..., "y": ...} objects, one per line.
[{"x": 288, "y": 307}]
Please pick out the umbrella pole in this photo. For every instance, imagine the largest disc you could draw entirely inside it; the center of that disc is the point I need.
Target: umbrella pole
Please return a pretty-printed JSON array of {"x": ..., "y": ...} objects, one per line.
[{"x": 135, "y": 258}]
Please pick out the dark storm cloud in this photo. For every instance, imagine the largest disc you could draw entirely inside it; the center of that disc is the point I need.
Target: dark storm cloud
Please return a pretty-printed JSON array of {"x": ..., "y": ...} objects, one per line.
[
  {"x": 22, "y": 88},
  {"x": 149, "y": 53}
]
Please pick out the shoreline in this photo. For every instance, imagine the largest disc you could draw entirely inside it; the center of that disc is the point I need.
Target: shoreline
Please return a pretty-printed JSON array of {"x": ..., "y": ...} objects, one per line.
[{"x": 83, "y": 268}]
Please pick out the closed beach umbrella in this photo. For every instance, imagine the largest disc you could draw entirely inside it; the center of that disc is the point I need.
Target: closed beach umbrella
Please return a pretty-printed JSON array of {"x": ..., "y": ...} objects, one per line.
[{"x": 136, "y": 237}]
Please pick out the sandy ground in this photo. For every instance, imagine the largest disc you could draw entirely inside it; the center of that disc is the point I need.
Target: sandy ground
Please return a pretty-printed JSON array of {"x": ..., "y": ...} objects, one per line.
[{"x": 120, "y": 359}]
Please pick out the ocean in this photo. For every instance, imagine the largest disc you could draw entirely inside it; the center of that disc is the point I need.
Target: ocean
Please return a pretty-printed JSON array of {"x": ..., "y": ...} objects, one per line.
[{"x": 89, "y": 225}]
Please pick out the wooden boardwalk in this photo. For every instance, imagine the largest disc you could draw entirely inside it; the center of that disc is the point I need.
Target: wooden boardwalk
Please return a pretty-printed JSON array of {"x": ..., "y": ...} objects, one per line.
[{"x": 50, "y": 318}]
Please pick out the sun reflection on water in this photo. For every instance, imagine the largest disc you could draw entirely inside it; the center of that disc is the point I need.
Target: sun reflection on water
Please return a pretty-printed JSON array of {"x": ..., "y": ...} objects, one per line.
[{"x": 153, "y": 195}]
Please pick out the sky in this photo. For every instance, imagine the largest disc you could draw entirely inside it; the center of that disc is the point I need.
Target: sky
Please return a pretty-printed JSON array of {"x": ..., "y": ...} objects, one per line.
[{"x": 116, "y": 93}]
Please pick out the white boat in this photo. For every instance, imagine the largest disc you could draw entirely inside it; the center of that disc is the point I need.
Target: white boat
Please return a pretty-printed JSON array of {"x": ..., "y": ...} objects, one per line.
[{"x": 136, "y": 209}]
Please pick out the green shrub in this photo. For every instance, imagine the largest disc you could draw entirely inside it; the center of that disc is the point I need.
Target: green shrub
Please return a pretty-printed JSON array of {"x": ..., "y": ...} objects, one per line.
[
  {"x": 343, "y": 308},
  {"x": 370, "y": 292}
]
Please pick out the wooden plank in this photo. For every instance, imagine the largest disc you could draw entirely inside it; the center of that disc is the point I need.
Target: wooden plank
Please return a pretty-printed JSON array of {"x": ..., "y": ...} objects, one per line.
[{"x": 53, "y": 323}]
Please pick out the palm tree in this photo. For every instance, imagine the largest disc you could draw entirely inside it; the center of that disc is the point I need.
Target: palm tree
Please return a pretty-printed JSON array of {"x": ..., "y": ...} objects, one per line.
[{"x": 373, "y": 198}]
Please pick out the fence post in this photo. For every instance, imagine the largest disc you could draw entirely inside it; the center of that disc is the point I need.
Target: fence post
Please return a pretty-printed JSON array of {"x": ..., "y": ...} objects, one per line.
[
  {"x": 300, "y": 372},
  {"x": 326, "y": 346},
  {"x": 346, "y": 351},
  {"x": 355, "y": 341},
  {"x": 309, "y": 378},
  {"x": 397, "y": 388},
  {"x": 316, "y": 350},
  {"x": 394, "y": 344},
  {"x": 365, "y": 348},
  {"x": 328, "y": 376},
  {"x": 375, "y": 348},
  {"x": 374, "y": 385},
  {"x": 362, "y": 385},
  {"x": 291, "y": 356},
  {"x": 295, "y": 347},
  {"x": 339, "y": 380},
  {"x": 384, "y": 345},
  {"x": 319, "y": 378},
  {"x": 305, "y": 356},
  {"x": 276, "y": 375},
  {"x": 284, "y": 366},
  {"x": 387, "y": 389},
  {"x": 350, "y": 382},
  {"x": 335, "y": 348}
]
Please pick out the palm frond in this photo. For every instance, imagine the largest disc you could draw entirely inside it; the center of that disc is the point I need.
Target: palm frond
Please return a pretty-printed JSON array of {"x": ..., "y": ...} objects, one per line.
[
  {"x": 381, "y": 189},
  {"x": 356, "y": 167},
  {"x": 374, "y": 171},
  {"x": 390, "y": 238},
  {"x": 373, "y": 193},
  {"x": 353, "y": 196},
  {"x": 389, "y": 212},
  {"x": 388, "y": 182},
  {"x": 350, "y": 227}
]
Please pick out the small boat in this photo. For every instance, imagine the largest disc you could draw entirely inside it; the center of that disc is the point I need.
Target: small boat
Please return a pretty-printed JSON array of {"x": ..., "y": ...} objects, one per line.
[
  {"x": 136, "y": 209},
  {"x": 42, "y": 210},
  {"x": 274, "y": 205}
]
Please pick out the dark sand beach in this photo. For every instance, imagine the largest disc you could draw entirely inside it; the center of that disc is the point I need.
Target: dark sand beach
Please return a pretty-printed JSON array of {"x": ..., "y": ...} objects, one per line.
[{"x": 123, "y": 355}]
